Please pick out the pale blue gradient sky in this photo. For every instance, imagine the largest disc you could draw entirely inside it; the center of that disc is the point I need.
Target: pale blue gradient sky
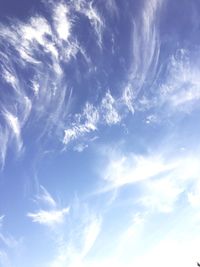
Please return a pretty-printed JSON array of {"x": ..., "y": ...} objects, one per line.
[{"x": 99, "y": 133}]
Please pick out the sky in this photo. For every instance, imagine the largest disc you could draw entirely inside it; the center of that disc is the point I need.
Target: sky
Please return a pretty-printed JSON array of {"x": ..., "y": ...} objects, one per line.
[{"x": 99, "y": 133}]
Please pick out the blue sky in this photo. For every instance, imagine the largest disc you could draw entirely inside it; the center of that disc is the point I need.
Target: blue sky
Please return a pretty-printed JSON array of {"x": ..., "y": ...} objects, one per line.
[{"x": 99, "y": 133}]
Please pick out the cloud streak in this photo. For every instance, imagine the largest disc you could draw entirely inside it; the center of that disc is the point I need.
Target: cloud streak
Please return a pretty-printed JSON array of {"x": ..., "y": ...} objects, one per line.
[
  {"x": 52, "y": 216},
  {"x": 49, "y": 218},
  {"x": 145, "y": 45},
  {"x": 73, "y": 252},
  {"x": 160, "y": 178},
  {"x": 37, "y": 51}
]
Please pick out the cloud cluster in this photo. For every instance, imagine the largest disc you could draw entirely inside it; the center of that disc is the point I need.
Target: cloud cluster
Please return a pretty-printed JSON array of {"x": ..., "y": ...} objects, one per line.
[
  {"x": 106, "y": 113},
  {"x": 34, "y": 57},
  {"x": 42, "y": 64}
]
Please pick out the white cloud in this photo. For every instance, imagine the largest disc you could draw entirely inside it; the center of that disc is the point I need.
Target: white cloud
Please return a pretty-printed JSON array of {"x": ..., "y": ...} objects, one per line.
[
  {"x": 133, "y": 168},
  {"x": 15, "y": 127},
  {"x": 181, "y": 88},
  {"x": 152, "y": 119},
  {"x": 88, "y": 121},
  {"x": 91, "y": 12},
  {"x": 10, "y": 78},
  {"x": 25, "y": 45},
  {"x": 109, "y": 111},
  {"x": 72, "y": 254},
  {"x": 145, "y": 54},
  {"x": 13, "y": 123},
  {"x": 96, "y": 21},
  {"x": 145, "y": 43},
  {"x": 44, "y": 46},
  {"x": 75, "y": 240},
  {"x": 62, "y": 21},
  {"x": 36, "y": 87},
  {"x": 91, "y": 114},
  {"x": 27, "y": 107},
  {"x": 77, "y": 131},
  {"x": 53, "y": 215},
  {"x": 80, "y": 147},
  {"x": 37, "y": 29},
  {"x": 45, "y": 197},
  {"x": 85, "y": 123},
  {"x": 132, "y": 234},
  {"x": 91, "y": 233},
  {"x": 128, "y": 98},
  {"x": 161, "y": 194},
  {"x": 161, "y": 178},
  {"x": 49, "y": 218}
]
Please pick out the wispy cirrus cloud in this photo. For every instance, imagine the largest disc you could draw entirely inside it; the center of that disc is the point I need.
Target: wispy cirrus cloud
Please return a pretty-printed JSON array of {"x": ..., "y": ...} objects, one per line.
[
  {"x": 75, "y": 256},
  {"x": 181, "y": 87},
  {"x": 83, "y": 123},
  {"x": 177, "y": 92},
  {"x": 51, "y": 216},
  {"x": 130, "y": 169},
  {"x": 42, "y": 49},
  {"x": 161, "y": 178},
  {"x": 92, "y": 14},
  {"x": 62, "y": 21},
  {"x": 74, "y": 251},
  {"x": 73, "y": 237},
  {"x": 107, "y": 112},
  {"x": 39, "y": 49},
  {"x": 145, "y": 45},
  {"x": 14, "y": 125},
  {"x": 44, "y": 197}
]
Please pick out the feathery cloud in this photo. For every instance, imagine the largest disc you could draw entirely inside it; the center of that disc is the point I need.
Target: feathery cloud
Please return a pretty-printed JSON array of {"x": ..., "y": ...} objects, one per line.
[
  {"x": 49, "y": 218},
  {"x": 45, "y": 197},
  {"x": 43, "y": 46},
  {"x": 85, "y": 123},
  {"x": 62, "y": 22},
  {"x": 92, "y": 14},
  {"x": 181, "y": 87},
  {"x": 161, "y": 178},
  {"x": 72, "y": 254},
  {"x": 109, "y": 112},
  {"x": 52, "y": 216},
  {"x": 133, "y": 168},
  {"x": 88, "y": 121}
]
